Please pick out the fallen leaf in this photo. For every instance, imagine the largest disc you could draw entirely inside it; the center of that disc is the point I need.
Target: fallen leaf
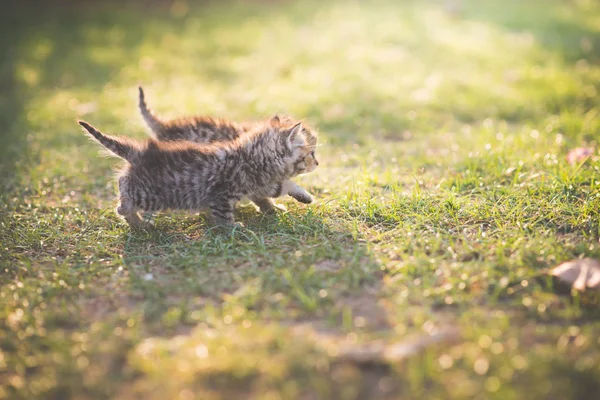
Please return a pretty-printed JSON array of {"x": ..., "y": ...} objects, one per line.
[
  {"x": 580, "y": 274},
  {"x": 579, "y": 154}
]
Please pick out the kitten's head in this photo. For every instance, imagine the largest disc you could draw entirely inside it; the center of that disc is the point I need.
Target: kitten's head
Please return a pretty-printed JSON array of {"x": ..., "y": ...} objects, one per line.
[{"x": 301, "y": 142}]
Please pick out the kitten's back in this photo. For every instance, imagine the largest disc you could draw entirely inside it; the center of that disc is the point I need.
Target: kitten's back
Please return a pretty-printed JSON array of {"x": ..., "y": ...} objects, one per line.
[{"x": 199, "y": 129}]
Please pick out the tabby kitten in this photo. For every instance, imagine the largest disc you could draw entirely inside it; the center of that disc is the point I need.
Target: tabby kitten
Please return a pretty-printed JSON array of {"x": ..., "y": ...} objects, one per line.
[
  {"x": 208, "y": 130},
  {"x": 190, "y": 176}
]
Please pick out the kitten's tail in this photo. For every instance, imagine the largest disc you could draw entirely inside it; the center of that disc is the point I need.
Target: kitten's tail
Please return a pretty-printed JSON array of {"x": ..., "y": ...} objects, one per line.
[
  {"x": 156, "y": 125},
  {"x": 121, "y": 147}
]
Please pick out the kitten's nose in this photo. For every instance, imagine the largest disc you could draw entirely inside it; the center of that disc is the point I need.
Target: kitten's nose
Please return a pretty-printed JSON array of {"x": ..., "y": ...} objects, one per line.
[{"x": 316, "y": 163}]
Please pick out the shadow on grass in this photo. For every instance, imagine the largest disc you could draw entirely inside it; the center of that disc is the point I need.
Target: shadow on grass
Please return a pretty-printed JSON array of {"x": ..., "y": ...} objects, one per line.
[
  {"x": 12, "y": 131},
  {"x": 215, "y": 265},
  {"x": 294, "y": 271}
]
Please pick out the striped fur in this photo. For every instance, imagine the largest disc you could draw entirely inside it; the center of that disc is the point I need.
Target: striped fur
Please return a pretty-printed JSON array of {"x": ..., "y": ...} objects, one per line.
[
  {"x": 121, "y": 147},
  {"x": 201, "y": 129},
  {"x": 190, "y": 176}
]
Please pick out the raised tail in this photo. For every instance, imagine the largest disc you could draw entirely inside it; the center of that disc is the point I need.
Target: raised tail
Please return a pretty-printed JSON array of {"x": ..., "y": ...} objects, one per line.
[
  {"x": 155, "y": 124},
  {"x": 122, "y": 147}
]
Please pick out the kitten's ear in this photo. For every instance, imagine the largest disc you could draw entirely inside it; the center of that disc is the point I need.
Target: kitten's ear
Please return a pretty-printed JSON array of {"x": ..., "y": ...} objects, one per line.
[
  {"x": 275, "y": 119},
  {"x": 295, "y": 137}
]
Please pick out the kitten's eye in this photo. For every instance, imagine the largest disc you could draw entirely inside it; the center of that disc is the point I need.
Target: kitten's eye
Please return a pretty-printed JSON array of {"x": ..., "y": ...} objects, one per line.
[{"x": 312, "y": 154}]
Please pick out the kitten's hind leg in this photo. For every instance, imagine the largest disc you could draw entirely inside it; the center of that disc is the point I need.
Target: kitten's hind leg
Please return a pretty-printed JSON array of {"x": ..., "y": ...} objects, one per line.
[
  {"x": 297, "y": 192},
  {"x": 265, "y": 204},
  {"x": 131, "y": 215},
  {"x": 127, "y": 208},
  {"x": 222, "y": 211}
]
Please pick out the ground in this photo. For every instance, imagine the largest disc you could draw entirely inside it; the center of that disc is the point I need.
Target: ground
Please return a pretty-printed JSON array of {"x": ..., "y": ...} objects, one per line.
[{"x": 442, "y": 196}]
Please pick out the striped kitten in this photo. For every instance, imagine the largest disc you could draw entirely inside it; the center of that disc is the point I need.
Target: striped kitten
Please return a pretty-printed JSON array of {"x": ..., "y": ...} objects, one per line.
[
  {"x": 190, "y": 176},
  {"x": 209, "y": 130}
]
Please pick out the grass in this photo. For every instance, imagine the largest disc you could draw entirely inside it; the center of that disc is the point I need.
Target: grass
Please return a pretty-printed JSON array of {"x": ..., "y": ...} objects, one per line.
[{"x": 443, "y": 193}]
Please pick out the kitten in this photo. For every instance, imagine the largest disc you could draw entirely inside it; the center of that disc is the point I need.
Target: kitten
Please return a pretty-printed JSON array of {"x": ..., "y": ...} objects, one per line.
[
  {"x": 210, "y": 130},
  {"x": 190, "y": 176}
]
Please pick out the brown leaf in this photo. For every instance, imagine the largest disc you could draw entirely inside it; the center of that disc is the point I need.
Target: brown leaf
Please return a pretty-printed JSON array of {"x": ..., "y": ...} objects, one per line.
[
  {"x": 579, "y": 154},
  {"x": 580, "y": 274}
]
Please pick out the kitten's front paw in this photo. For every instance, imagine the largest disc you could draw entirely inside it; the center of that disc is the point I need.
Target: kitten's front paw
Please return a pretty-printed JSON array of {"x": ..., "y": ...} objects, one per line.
[
  {"x": 270, "y": 209},
  {"x": 280, "y": 207},
  {"x": 274, "y": 209},
  {"x": 302, "y": 197}
]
